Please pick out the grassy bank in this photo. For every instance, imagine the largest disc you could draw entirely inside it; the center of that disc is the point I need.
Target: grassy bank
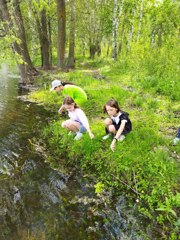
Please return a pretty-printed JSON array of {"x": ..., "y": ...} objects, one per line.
[{"x": 145, "y": 166}]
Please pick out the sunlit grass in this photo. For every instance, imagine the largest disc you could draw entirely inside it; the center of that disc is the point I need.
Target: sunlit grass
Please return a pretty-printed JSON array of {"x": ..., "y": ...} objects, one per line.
[{"x": 144, "y": 166}]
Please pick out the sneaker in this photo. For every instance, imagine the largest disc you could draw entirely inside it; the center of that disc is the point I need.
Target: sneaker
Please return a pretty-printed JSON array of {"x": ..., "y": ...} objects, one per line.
[
  {"x": 106, "y": 136},
  {"x": 121, "y": 138},
  {"x": 78, "y": 136},
  {"x": 176, "y": 140}
]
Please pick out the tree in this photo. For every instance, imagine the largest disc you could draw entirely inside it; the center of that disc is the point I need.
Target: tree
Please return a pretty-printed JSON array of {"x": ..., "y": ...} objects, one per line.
[
  {"x": 71, "y": 60},
  {"x": 42, "y": 24},
  {"x": 61, "y": 42},
  {"x": 140, "y": 19},
  {"x": 131, "y": 31},
  {"x": 117, "y": 12},
  {"x": 19, "y": 46},
  {"x": 92, "y": 23}
]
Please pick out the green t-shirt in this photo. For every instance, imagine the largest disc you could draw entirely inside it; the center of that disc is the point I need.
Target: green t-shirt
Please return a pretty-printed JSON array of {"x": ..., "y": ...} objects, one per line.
[{"x": 76, "y": 93}]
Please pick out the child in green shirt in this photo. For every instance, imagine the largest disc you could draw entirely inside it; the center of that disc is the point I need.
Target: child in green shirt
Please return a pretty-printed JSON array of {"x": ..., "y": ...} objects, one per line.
[{"x": 68, "y": 89}]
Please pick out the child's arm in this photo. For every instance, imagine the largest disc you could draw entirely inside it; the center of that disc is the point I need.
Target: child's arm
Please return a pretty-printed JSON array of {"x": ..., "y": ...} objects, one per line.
[
  {"x": 118, "y": 134},
  {"x": 85, "y": 123},
  {"x": 61, "y": 109}
]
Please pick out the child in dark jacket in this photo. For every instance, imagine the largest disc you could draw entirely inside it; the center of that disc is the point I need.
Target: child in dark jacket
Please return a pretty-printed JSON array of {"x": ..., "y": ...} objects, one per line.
[{"x": 118, "y": 123}]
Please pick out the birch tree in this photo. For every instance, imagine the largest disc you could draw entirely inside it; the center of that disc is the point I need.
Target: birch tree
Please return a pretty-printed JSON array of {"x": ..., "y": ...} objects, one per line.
[
  {"x": 140, "y": 20},
  {"x": 93, "y": 25},
  {"x": 117, "y": 12},
  {"x": 131, "y": 31}
]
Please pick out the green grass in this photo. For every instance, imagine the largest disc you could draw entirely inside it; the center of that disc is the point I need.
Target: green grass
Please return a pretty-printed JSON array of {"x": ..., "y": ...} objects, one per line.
[{"x": 145, "y": 166}]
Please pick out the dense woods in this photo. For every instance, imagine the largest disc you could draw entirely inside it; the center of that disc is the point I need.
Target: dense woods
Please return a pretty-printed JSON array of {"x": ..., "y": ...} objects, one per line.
[{"x": 46, "y": 33}]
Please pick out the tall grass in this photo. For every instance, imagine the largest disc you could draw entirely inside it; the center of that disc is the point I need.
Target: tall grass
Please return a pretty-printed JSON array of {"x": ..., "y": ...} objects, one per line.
[{"x": 144, "y": 166}]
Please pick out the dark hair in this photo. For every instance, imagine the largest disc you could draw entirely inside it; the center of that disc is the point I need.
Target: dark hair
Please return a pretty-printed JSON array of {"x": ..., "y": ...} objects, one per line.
[
  {"x": 65, "y": 83},
  {"x": 69, "y": 101},
  {"x": 112, "y": 103}
]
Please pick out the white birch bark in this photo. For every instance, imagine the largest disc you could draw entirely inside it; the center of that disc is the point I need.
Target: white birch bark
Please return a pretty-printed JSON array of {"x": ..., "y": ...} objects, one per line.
[
  {"x": 140, "y": 20},
  {"x": 131, "y": 32},
  {"x": 152, "y": 38},
  {"x": 117, "y": 12}
]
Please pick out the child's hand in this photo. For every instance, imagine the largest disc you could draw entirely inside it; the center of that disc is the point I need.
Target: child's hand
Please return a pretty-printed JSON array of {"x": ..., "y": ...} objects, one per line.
[
  {"x": 113, "y": 144},
  {"x": 91, "y": 135},
  {"x": 61, "y": 110}
]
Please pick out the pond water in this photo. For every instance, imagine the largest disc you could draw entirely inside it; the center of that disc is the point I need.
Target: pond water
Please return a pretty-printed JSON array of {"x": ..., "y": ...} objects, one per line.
[{"x": 38, "y": 202}]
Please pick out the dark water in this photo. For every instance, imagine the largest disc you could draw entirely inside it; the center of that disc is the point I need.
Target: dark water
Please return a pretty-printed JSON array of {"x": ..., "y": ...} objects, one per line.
[{"x": 38, "y": 202}]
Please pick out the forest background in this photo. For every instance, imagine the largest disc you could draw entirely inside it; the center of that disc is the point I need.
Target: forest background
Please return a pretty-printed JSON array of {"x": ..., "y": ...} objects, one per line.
[{"x": 129, "y": 50}]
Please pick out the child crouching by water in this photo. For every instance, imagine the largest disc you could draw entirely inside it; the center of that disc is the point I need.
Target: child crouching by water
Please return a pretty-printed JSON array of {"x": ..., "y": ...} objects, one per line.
[
  {"x": 78, "y": 122},
  {"x": 118, "y": 123}
]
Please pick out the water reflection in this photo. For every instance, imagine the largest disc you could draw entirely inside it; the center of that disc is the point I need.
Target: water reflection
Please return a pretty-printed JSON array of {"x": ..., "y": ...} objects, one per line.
[
  {"x": 28, "y": 186},
  {"x": 33, "y": 197}
]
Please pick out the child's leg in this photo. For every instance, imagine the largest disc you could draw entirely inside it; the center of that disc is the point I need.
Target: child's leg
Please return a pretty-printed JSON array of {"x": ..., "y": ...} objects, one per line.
[
  {"x": 71, "y": 125},
  {"x": 107, "y": 122},
  {"x": 112, "y": 129},
  {"x": 109, "y": 128}
]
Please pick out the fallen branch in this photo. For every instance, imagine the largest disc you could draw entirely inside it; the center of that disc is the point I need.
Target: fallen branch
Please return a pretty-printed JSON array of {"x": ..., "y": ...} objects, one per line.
[{"x": 125, "y": 184}]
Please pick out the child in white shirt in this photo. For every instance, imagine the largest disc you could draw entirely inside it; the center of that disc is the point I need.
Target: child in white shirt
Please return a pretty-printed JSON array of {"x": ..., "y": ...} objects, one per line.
[{"x": 78, "y": 122}]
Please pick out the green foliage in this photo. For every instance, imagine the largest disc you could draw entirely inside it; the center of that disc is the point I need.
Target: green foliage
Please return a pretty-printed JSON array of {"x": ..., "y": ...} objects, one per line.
[
  {"x": 167, "y": 207},
  {"x": 160, "y": 72},
  {"x": 99, "y": 187}
]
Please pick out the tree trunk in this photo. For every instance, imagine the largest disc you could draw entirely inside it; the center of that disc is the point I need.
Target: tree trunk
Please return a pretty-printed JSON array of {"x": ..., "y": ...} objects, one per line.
[
  {"x": 38, "y": 26},
  {"x": 50, "y": 41},
  {"x": 160, "y": 36},
  {"x": 153, "y": 37},
  {"x": 26, "y": 78},
  {"x": 27, "y": 71},
  {"x": 122, "y": 34},
  {"x": 44, "y": 41},
  {"x": 22, "y": 46},
  {"x": 131, "y": 32},
  {"x": 61, "y": 42},
  {"x": 92, "y": 51},
  {"x": 71, "y": 60},
  {"x": 140, "y": 20},
  {"x": 43, "y": 29},
  {"x": 108, "y": 47},
  {"x": 115, "y": 29},
  {"x": 117, "y": 12},
  {"x": 83, "y": 47}
]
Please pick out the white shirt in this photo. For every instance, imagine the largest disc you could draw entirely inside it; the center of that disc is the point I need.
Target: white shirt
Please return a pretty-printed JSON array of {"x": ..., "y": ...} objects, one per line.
[
  {"x": 79, "y": 116},
  {"x": 116, "y": 119}
]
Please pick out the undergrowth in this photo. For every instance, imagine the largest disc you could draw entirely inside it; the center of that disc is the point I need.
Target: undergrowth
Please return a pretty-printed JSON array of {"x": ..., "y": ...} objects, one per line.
[{"x": 145, "y": 166}]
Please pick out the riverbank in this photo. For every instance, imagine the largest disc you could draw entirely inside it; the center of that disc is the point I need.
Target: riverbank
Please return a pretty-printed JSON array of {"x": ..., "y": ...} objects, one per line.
[{"x": 145, "y": 166}]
